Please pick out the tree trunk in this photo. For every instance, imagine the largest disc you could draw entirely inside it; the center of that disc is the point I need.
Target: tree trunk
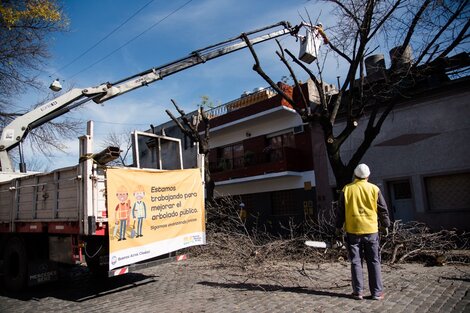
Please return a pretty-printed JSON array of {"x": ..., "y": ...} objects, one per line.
[{"x": 209, "y": 183}]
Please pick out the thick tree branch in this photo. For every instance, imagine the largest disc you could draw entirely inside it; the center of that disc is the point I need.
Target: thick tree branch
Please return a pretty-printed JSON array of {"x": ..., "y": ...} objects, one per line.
[
  {"x": 191, "y": 129},
  {"x": 177, "y": 122},
  {"x": 280, "y": 54},
  {"x": 339, "y": 52},
  {"x": 257, "y": 68},
  {"x": 318, "y": 83},
  {"x": 413, "y": 25}
]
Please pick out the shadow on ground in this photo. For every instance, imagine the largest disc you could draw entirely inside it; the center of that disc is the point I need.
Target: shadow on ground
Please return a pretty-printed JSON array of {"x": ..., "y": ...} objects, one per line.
[
  {"x": 270, "y": 288},
  {"x": 81, "y": 286},
  {"x": 464, "y": 279}
]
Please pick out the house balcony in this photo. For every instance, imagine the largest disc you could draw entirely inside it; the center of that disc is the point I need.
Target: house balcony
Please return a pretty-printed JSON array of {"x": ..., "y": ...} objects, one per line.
[
  {"x": 255, "y": 164},
  {"x": 262, "y": 105}
]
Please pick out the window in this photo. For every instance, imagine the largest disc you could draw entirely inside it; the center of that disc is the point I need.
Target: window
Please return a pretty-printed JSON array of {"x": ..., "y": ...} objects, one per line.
[
  {"x": 448, "y": 192},
  {"x": 401, "y": 190},
  {"x": 231, "y": 157},
  {"x": 237, "y": 151},
  {"x": 281, "y": 140},
  {"x": 285, "y": 202},
  {"x": 276, "y": 145}
]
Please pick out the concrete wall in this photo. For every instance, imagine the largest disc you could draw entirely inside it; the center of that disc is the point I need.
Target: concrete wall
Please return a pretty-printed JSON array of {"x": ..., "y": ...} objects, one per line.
[{"x": 421, "y": 138}]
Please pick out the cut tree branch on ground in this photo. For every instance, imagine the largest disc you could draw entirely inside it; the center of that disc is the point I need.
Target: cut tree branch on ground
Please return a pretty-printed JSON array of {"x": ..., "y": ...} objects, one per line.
[{"x": 255, "y": 246}]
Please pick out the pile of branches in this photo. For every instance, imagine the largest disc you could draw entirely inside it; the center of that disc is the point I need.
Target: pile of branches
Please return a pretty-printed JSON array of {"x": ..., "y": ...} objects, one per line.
[
  {"x": 415, "y": 241},
  {"x": 236, "y": 243}
]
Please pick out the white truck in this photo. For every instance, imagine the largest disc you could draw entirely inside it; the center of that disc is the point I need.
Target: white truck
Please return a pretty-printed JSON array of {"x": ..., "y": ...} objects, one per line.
[{"x": 65, "y": 216}]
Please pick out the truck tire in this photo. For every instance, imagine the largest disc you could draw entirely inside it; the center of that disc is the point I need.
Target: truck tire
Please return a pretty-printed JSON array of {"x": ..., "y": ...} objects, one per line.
[{"x": 15, "y": 265}]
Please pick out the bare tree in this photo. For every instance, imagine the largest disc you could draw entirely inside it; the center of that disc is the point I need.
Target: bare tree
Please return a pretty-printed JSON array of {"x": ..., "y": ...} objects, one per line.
[
  {"x": 121, "y": 140},
  {"x": 190, "y": 126},
  {"x": 24, "y": 29},
  {"x": 434, "y": 29}
]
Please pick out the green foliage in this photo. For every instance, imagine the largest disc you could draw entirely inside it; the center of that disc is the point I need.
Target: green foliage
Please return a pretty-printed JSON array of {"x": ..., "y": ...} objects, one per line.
[
  {"x": 13, "y": 14},
  {"x": 25, "y": 27},
  {"x": 207, "y": 103}
]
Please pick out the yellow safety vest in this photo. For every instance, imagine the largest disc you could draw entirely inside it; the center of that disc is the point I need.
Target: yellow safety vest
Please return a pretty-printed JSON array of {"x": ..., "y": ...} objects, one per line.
[
  {"x": 360, "y": 199},
  {"x": 243, "y": 214}
]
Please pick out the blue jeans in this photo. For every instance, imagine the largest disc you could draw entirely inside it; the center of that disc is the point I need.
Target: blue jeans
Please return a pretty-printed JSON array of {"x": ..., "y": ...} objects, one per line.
[{"x": 362, "y": 247}]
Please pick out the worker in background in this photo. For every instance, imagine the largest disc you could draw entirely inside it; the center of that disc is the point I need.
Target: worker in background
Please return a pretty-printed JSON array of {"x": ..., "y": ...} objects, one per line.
[
  {"x": 243, "y": 212},
  {"x": 361, "y": 207},
  {"x": 321, "y": 32}
]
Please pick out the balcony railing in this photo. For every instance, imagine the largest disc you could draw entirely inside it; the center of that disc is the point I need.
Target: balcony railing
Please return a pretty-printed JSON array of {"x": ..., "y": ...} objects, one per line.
[
  {"x": 245, "y": 100},
  {"x": 251, "y": 164}
]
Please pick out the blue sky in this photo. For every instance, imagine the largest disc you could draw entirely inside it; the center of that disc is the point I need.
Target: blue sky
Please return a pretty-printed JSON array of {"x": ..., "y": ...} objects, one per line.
[{"x": 197, "y": 24}]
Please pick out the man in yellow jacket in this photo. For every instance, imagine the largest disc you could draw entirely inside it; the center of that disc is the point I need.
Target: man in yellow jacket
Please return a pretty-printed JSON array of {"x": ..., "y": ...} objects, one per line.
[{"x": 361, "y": 208}]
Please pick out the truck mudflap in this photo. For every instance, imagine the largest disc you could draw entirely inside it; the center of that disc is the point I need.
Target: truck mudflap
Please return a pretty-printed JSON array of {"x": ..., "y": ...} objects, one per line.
[{"x": 140, "y": 266}]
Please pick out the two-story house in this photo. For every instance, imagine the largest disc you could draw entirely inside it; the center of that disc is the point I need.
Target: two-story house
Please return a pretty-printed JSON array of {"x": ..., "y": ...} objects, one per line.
[{"x": 263, "y": 155}]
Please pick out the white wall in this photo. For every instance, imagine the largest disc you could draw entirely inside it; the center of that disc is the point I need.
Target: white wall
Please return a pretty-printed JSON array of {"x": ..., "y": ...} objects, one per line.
[
  {"x": 448, "y": 151},
  {"x": 266, "y": 185},
  {"x": 268, "y": 122}
]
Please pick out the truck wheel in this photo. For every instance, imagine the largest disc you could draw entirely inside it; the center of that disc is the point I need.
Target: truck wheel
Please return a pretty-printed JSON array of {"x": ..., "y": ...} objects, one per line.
[{"x": 15, "y": 264}]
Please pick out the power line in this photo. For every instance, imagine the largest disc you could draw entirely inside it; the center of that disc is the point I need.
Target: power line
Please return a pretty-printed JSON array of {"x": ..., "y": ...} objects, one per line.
[
  {"x": 103, "y": 39},
  {"x": 132, "y": 39}
]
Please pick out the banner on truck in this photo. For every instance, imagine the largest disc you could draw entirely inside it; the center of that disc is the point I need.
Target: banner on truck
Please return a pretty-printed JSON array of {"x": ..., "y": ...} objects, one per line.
[{"x": 152, "y": 213}]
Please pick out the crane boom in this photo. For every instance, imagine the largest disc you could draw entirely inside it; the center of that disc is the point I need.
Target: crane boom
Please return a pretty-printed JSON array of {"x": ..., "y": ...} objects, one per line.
[
  {"x": 15, "y": 132},
  {"x": 196, "y": 57}
]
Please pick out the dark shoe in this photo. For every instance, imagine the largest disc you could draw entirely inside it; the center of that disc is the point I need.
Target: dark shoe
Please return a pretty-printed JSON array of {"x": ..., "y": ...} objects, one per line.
[
  {"x": 357, "y": 296},
  {"x": 379, "y": 296},
  {"x": 119, "y": 239},
  {"x": 123, "y": 238}
]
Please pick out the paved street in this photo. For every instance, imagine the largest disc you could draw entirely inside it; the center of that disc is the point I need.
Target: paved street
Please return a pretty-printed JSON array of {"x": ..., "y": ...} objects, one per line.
[{"x": 199, "y": 285}]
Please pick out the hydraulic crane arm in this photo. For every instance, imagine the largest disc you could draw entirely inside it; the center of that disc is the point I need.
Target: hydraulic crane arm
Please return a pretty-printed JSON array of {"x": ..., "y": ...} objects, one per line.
[
  {"x": 15, "y": 132},
  {"x": 197, "y": 57}
]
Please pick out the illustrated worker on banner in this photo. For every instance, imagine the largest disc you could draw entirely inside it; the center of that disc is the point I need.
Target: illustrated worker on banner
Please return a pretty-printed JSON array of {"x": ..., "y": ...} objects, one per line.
[
  {"x": 123, "y": 210},
  {"x": 139, "y": 210}
]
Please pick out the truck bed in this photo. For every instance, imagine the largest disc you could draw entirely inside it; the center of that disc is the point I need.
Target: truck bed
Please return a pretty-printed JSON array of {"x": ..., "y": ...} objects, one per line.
[{"x": 49, "y": 202}]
